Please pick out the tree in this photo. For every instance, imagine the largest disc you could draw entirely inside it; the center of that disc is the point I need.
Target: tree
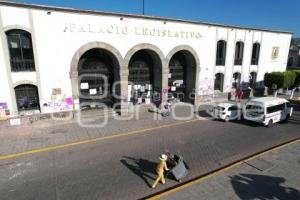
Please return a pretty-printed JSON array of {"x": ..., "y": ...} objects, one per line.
[
  {"x": 289, "y": 78},
  {"x": 296, "y": 82},
  {"x": 284, "y": 80}
]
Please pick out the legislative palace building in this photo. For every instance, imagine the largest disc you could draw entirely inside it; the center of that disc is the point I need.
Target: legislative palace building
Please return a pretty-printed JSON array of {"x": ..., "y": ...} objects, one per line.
[{"x": 56, "y": 59}]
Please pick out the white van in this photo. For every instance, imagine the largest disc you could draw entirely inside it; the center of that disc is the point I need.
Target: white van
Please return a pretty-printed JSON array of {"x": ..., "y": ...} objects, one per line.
[{"x": 267, "y": 110}]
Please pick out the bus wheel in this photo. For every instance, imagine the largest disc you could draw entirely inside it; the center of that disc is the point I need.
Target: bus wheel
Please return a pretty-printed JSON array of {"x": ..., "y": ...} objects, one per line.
[
  {"x": 270, "y": 123},
  {"x": 287, "y": 118}
]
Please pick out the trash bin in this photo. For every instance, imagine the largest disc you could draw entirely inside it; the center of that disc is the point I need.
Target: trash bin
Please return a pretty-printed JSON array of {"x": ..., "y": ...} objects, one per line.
[{"x": 179, "y": 171}]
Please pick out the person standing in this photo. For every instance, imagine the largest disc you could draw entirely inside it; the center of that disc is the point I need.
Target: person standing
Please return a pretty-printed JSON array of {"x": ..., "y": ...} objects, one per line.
[
  {"x": 161, "y": 168},
  {"x": 236, "y": 91},
  {"x": 241, "y": 94}
]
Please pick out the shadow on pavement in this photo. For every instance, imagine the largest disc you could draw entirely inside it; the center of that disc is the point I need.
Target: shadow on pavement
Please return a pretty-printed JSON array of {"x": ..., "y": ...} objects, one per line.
[
  {"x": 295, "y": 119},
  {"x": 251, "y": 186},
  {"x": 143, "y": 168},
  {"x": 203, "y": 113},
  {"x": 246, "y": 123}
]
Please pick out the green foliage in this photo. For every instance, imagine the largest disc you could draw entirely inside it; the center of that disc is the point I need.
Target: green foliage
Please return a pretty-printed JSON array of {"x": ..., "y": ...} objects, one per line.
[
  {"x": 281, "y": 79},
  {"x": 297, "y": 80},
  {"x": 274, "y": 78},
  {"x": 289, "y": 79}
]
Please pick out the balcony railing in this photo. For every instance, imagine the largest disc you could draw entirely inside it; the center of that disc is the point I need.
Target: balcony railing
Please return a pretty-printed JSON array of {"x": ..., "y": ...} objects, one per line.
[
  {"x": 254, "y": 61},
  {"x": 238, "y": 61},
  {"x": 220, "y": 61},
  {"x": 18, "y": 65}
]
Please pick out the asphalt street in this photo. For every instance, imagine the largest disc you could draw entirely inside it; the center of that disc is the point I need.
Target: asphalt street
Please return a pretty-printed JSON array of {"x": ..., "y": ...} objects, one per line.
[{"x": 124, "y": 167}]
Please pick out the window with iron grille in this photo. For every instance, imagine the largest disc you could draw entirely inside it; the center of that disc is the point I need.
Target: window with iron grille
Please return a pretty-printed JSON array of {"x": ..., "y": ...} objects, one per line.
[
  {"x": 239, "y": 52},
  {"x": 27, "y": 97},
  {"x": 252, "y": 79},
  {"x": 219, "y": 80},
  {"x": 236, "y": 80},
  {"x": 221, "y": 52},
  {"x": 255, "y": 54},
  {"x": 20, "y": 50},
  {"x": 140, "y": 73}
]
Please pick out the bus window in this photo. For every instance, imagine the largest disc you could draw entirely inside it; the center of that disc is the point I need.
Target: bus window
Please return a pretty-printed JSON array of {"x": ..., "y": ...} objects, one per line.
[
  {"x": 288, "y": 105},
  {"x": 276, "y": 108}
]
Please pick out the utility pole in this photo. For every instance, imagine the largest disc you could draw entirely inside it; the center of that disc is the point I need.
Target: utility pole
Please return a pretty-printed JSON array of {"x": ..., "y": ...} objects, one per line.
[{"x": 143, "y": 7}]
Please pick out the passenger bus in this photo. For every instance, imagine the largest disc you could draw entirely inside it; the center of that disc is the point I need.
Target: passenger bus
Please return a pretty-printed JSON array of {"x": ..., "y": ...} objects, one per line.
[{"x": 267, "y": 110}]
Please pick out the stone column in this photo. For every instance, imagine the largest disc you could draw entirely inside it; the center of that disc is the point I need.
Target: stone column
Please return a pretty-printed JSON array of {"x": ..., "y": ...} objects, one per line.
[
  {"x": 124, "y": 104},
  {"x": 75, "y": 92},
  {"x": 165, "y": 85},
  {"x": 197, "y": 86}
]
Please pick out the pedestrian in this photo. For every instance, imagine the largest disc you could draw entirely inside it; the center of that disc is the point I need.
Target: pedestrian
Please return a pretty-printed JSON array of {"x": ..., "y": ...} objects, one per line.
[
  {"x": 166, "y": 109},
  {"x": 229, "y": 96},
  {"x": 241, "y": 95},
  {"x": 161, "y": 168}
]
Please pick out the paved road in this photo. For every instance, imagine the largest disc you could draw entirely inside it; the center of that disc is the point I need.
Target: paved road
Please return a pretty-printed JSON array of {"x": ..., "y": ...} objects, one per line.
[
  {"x": 123, "y": 167},
  {"x": 274, "y": 175}
]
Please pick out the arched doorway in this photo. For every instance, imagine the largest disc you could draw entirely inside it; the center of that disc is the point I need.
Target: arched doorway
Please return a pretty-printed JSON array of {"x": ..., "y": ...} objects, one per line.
[
  {"x": 219, "y": 81},
  {"x": 236, "y": 80},
  {"x": 98, "y": 69},
  {"x": 145, "y": 75},
  {"x": 27, "y": 97},
  {"x": 182, "y": 77},
  {"x": 252, "y": 79}
]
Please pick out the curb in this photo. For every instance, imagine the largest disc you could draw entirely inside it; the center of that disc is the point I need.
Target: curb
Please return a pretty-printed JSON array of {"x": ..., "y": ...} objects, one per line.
[{"x": 202, "y": 177}]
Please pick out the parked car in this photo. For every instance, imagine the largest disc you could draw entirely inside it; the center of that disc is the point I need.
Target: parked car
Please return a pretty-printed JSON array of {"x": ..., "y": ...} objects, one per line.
[
  {"x": 226, "y": 111},
  {"x": 267, "y": 110}
]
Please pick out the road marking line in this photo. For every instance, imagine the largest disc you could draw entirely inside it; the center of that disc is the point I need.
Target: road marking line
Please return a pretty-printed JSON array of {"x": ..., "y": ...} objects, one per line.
[
  {"x": 222, "y": 170},
  {"x": 57, "y": 147}
]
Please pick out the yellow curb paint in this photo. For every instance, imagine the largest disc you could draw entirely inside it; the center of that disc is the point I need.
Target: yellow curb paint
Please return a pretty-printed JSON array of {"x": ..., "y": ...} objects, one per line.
[
  {"x": 57, "y": 147},
  {"x": 219, "y": 171}
]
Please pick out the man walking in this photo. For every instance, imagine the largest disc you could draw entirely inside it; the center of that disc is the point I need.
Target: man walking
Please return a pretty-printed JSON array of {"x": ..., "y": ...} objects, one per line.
[{"x": 161, "y": 167}]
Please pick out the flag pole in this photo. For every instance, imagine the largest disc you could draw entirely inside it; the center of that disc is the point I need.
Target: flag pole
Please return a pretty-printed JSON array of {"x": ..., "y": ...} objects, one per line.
[{"x": 143, "y": 7}]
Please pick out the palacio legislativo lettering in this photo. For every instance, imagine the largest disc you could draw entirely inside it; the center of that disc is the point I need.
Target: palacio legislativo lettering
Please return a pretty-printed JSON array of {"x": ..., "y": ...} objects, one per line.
[{"x": 126, "y": 30}]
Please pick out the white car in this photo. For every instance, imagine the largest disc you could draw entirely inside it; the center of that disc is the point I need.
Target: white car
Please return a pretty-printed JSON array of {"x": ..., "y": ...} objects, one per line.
[{"x": 226, "y": 111}]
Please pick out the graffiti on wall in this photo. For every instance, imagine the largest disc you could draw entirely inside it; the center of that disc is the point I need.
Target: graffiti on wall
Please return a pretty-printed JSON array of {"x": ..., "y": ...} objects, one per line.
[
  {"x": 58, "y": 102},
  {"x": 58, "y": 105},
  {"x": 4, "y": 111},
  {"x": 206, "y": 87},
  {"x": 205, "y": 90}
]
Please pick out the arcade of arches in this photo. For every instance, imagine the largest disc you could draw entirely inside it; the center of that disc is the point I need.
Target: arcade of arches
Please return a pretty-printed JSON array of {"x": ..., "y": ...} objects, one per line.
[{"x": 144, "y": 79}]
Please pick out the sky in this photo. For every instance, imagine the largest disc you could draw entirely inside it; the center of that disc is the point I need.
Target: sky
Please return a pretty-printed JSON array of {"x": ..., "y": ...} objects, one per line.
[{"x": 271, "y": 14}]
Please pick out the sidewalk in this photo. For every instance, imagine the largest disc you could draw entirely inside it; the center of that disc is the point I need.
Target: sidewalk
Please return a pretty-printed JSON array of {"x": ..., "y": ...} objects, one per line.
[
  {"x": 16, "y": 139},
  {"x": 274, "y": 175}
]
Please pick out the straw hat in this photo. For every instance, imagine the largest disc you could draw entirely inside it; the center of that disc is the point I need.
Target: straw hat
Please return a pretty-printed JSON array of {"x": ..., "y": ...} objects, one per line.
[{"x": 163, "y": 157}]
